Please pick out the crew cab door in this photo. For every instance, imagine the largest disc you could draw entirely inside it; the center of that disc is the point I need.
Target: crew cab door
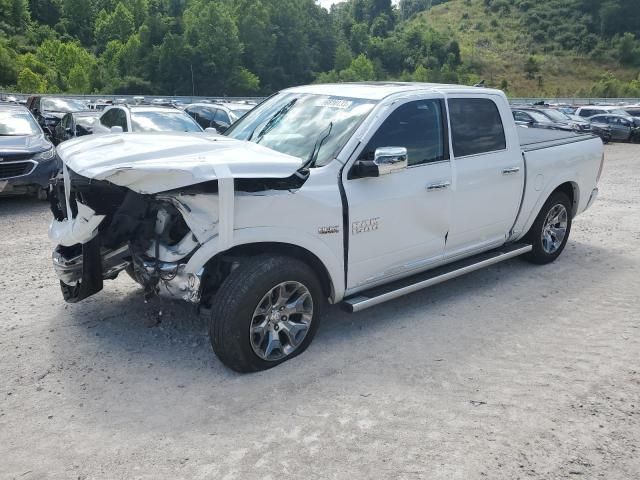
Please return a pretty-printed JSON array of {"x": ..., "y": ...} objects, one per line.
[
  {"x": 398, "y": 221},
  {"x": 488, "y": 173}
]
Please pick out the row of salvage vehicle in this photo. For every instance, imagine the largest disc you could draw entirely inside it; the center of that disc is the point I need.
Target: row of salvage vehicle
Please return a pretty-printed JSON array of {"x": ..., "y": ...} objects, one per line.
[
  {"x": 609, "y": 122},
  {"x": 29, "y": 133}
]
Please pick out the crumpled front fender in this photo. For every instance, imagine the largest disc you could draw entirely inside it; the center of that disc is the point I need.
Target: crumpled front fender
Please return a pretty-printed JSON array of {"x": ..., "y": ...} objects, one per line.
[{"x": 81, "y": 229}]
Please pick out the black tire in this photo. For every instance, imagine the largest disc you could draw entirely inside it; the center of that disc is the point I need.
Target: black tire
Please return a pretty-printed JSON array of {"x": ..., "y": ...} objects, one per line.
[
  {"x": 539, "y": 255},
  {"x": 238, "y": 297}
]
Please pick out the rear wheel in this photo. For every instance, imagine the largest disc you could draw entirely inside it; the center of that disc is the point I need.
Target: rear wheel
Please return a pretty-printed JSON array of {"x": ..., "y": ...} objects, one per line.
[
  {"x": 265, "y": 312},
  {"x": 550, "y": 231}
]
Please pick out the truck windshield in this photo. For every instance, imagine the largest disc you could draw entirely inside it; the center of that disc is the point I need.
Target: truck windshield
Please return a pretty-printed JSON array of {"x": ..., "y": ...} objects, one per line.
[{"x": 292, "y": 122}]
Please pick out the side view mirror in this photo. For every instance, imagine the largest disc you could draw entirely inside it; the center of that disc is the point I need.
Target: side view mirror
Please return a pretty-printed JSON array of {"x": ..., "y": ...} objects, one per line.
[
  {"x": 116, "y": 129},
  {"x": 386, "y": 160},
  {"x": 390, "y": 159},
  {"x": 211, "y": 130}
]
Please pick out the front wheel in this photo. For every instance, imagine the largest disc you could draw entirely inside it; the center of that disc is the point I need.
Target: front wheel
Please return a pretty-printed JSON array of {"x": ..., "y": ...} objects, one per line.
[
  {"x": 265, "y": 312},
  {"x": 550, "y": 231}
]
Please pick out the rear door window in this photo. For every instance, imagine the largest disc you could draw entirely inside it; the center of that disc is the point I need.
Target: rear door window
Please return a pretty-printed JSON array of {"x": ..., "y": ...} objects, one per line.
[{"x": 476, "y": 126}]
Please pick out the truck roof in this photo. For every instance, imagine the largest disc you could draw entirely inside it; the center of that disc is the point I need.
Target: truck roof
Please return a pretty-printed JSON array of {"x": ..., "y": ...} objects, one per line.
[{"x": 380, "y": 90}]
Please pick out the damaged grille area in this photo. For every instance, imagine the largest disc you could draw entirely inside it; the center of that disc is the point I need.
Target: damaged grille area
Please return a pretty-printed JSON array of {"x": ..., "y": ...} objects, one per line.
[{"x": 132, "y": 233}]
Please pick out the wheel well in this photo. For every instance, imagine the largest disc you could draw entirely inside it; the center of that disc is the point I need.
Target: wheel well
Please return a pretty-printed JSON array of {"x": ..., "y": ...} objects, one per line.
[
  {"x": 571, "y": 190},
  {"x": 217, "y": 269}
]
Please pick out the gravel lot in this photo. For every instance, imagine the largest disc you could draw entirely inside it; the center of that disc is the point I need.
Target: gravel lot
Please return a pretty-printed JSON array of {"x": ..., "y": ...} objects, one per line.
[{"x": 512, "y": 372}]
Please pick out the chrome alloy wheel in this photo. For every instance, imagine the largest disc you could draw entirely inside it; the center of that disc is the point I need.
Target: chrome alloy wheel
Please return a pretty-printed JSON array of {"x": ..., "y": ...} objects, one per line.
[
  {"x": 281, "y": 321},
  {"x": 555, "y": 228}
]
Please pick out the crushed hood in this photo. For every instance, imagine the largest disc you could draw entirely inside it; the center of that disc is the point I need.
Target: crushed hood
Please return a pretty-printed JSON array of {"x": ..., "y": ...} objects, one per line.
[{"x": 156, "y": 162}]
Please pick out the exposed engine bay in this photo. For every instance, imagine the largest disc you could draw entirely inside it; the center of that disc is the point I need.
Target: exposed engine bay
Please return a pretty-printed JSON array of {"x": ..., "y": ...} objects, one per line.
[
  {"x": 103, "y": 229},
  {"x": 146, "y": 235}
]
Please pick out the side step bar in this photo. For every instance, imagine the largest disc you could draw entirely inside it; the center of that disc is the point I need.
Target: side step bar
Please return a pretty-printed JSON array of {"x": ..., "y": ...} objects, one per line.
[{"x": 417, "y": 282}]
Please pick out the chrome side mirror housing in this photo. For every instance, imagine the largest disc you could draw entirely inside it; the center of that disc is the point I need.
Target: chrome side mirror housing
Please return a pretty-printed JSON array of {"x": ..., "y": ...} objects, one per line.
[
  {"x": 386, "y": 160},
  {"x": 390, "y": 159},
  {"x": 116, "y": 129}
]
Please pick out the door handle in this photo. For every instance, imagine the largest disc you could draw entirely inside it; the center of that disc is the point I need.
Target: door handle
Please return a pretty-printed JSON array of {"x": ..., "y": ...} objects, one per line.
[
  {"x": 510, "y": 171},
  {"x": 438, "y": 186}
]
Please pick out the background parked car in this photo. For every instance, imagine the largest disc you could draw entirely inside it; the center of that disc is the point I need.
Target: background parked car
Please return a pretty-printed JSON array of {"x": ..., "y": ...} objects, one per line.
[
  {"x": 600, "y": 129},
  {"x": 534, "y": 118},
  {"x": 146, "y": 118},
  {"x": 217, "y": 115},
  {"x": 48, "y": 111},
  {"x": 623, "y": 127},
  {"x": 633, "y": 110},
  {"x": 27, "y": 158},
  {"x": 76, "y": 124},
  {"x": 591, "y": 110},
  {"x": 557, "y": 120}
]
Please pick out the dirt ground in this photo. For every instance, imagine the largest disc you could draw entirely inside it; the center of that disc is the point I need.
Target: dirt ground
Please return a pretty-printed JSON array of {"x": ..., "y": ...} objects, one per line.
[{"x": 514, "y": 372}]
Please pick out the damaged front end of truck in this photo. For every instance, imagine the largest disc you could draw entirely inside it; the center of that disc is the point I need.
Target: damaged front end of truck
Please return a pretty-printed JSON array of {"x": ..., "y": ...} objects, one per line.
[{"x": 130, "y": 203}]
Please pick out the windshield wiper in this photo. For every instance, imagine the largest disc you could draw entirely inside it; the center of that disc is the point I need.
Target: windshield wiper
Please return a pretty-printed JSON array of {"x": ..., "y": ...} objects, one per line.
[
  {"x": 316, "y": 149},
  {"x": 273, "y": 121}
]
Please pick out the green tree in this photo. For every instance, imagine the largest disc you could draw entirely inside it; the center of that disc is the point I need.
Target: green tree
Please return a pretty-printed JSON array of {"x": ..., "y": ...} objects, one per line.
[
  {"x": 257, "y": 34},
  {"x": 8, "y": 66},
  {"x": 45, "y": 11},
  {"x": 343, "y": 57},
  {"x": 118, "y": 25},
  {"x": 408, "y": 8},
  {"x": 361, "y": 69},
  {"x": 215, "y": 49},
  {"x": 531, "y": 67},
  {"x": 30, "y": 82},
  {"x": 78, "y": 80},
  {"x": 77, "y": 19},
  {"x": 14, "y": 15},
  {"x": 628, "y": 49}
]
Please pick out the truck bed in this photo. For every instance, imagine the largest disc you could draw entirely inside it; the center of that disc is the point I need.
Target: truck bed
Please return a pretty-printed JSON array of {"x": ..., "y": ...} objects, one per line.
[{"x": 539, "y": 138}]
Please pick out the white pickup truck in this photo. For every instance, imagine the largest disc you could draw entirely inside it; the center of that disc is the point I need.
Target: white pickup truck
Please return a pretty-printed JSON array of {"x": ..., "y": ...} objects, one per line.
[{"x": 351, "y": 193}]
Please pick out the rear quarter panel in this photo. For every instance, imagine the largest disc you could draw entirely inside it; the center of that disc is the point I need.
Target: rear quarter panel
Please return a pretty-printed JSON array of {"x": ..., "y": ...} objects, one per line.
[{"x": 577, "y": 163}]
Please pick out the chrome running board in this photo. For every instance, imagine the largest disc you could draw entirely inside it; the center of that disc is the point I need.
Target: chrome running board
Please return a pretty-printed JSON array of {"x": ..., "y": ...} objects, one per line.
[{"x": 382, "y": 294}]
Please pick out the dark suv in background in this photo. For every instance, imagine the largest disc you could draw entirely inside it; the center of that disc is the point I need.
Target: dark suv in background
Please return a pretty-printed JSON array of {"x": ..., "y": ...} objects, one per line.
[
  {"x": 48, "y": 111},
  {"x": 27, "y": 157},
  {"x": 217, "y": 115}
]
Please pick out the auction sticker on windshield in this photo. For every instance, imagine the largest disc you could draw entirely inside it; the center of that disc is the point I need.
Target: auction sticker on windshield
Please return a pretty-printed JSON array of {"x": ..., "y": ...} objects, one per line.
[{"x": 334, "y": 103}]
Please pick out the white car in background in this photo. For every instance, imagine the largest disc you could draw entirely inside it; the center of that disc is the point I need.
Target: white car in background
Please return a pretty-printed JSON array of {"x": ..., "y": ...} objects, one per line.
[{"x": 145, "y": 118}]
